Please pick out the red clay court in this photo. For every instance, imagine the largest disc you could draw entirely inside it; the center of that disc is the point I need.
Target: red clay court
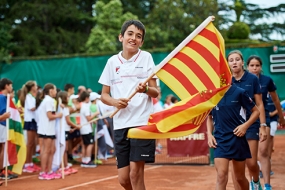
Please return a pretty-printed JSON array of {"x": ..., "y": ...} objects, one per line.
[{"x": 158, "y": 177}]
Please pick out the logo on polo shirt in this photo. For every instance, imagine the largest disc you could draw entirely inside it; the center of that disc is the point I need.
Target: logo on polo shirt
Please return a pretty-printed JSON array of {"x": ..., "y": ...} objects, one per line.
[{"x": 118, "y": 69}]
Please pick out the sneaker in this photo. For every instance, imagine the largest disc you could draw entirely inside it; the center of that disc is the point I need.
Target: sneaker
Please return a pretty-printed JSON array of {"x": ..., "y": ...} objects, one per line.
[
  {"x": 36, "y": 168},
  {"x": 255, "y": 186},
  {"x": 66, "y": 171},
  {"x": 157, "y": 151},
  {"x": 28, "y": 169},
  {"x": 3, "y": 176},
  {"x": 55, "y": 175},
  {"x": 44, "y": 176},
  {"x": 72, "y": 171},
  {"x": 271, "y": 173},
  {"x": 13, "y": 175},
  {"x": 267, "y": 187},
  {"x": 88, "y": 165},
  {"x": 99, "y": 162}
]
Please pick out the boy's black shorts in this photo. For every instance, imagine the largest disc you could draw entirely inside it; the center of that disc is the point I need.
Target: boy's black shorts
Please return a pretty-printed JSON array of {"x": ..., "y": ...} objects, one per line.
[
  {"x": 132, "y": 150},
  {"x": 88, "y": 139}
]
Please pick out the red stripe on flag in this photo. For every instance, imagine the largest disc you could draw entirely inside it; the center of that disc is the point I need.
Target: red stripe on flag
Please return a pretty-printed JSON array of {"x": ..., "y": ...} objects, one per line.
[
  {"x": 224, "y": 71},
  {"x": 194, "y": 101},
  {"x": 184, "y": 80},
  {"x": 196, "y": 69},
  {"x": 206, "y": 54},
  {"x": 210, "y": 36},
  {"x": 12, "y": 153},
  {"x": 12, "y": 105}
]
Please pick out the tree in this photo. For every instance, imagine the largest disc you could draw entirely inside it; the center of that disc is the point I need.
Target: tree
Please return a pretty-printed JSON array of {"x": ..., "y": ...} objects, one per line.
[
  {"x": 48, "y": 27},
  {"x": 171, "y": 21},
  {"x": 104, "y": 35},
  {"x": 5, "y": 44},
  {"x": 255, "y": 17}
]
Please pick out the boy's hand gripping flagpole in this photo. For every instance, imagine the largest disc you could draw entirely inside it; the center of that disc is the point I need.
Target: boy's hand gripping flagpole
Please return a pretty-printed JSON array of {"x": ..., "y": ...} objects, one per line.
[
  {"x": 174, "y": 52},
  {"x": 6, "y": 143},
  {"x": 60, "y": 124}
]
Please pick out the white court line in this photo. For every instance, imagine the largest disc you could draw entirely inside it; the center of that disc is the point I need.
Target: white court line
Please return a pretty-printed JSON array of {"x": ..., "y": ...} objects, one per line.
[
  {"x": 103, "y": 179},
  {"x": 20, "y": 178}
]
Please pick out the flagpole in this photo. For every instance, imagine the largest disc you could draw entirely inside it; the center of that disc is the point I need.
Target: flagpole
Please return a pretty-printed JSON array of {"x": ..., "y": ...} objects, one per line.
[
  {"x": 174, "y": 52},
  {"x": 60, "y": 124},
  {"x": 184, "y": 43},
  {"x": 6, "y": 144},
  {"x": 93, "y": 120},
  {"x": 96, "y": 141},
  {"x": 134, "y": 93}
]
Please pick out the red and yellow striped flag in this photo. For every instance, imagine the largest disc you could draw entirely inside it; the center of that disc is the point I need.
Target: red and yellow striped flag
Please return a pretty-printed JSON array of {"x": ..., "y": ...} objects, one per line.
[{"x": 198, "y": 73}]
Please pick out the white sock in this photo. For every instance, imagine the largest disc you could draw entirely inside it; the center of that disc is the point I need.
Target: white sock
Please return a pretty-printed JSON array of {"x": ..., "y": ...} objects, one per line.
[
  {"x": 27, "y": 164},
  {"x": 32, "y": 164},
  {"x": 88, "y": 159}
]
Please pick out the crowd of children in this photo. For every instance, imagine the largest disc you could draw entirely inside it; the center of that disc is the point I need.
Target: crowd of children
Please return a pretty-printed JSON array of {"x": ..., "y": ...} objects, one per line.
[{"x": 44, "y": 111}]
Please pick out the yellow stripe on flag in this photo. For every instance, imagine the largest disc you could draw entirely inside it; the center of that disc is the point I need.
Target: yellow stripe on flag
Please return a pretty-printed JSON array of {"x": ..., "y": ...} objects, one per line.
[
  {"x": 182, "y": 117},
  {"x": 203, "y": 64},
  {"x": 215, "y": 51},
  {"x": 189, "y": 73},
  {"x": 172, "y": 81}
]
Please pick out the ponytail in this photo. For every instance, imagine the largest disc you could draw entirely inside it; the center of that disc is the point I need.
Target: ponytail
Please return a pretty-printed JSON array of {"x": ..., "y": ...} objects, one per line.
[
  {"x": 25, "y": 90},
  {"x": 46, "y": 89}
]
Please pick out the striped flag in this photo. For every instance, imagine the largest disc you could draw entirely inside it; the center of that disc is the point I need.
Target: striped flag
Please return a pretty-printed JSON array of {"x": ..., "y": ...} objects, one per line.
[
  {"x": 198, "y": 73},
  {"x": 16, "y": 142}
]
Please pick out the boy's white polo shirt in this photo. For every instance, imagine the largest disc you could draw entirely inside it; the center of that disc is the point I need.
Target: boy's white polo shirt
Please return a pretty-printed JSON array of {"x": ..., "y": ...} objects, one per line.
[
  {"x": 46, "y": 126},
  {"x": 30, "y": 103},
  {"x": 85, "y": 111},
  {"x": 123, "y": 76}
]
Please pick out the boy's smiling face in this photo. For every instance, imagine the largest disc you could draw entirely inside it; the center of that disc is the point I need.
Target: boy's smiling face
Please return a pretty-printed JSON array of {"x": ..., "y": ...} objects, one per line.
[{"x": 132, "y": 39}]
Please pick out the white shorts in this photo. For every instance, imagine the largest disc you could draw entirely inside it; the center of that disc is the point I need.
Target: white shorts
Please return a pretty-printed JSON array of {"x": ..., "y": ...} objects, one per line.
[
  {"x": 273, "y": 128},
  {"x": 3, "y": 134}
]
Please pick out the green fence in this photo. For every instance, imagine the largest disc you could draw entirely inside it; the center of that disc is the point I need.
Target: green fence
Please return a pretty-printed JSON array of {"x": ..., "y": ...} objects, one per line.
[{"x": 87, "y": 70}]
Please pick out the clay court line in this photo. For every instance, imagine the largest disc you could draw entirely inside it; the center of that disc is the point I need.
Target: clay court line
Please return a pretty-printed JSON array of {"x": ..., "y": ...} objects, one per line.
[{"x": 104, "y": 179}]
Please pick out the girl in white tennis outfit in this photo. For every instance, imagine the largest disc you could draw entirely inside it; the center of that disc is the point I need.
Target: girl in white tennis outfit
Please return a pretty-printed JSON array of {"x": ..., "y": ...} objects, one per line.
[
  {"x": 46, "y": 131},
  {"x": 28, "y": 101}
]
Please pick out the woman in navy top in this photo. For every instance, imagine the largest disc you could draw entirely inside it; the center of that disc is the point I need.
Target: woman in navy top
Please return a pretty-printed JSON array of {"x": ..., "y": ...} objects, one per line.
[
  {"x": 256, "y": 131},
  {"x": 254, "y": 65},
  {"x": 229, "y": 142}
]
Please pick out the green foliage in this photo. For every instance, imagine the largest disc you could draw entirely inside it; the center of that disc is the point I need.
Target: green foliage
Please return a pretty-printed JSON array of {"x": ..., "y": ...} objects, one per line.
[
  {"x": 5, "y": 44},
  {"x": 239, "y": 30},
  {"x": 47, "y": 27},
  {"x": 60, "y": 27},
  {"x": 104, "y": 35}
]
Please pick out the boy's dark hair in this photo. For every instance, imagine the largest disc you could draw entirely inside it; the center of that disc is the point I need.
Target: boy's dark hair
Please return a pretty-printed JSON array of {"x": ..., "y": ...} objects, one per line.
[
  {"x": 136, "y": 23},
  {"x": 4, "y": 82},
  {"x": 82, "y": 97},
  {"x": 68, "y": 86}
]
